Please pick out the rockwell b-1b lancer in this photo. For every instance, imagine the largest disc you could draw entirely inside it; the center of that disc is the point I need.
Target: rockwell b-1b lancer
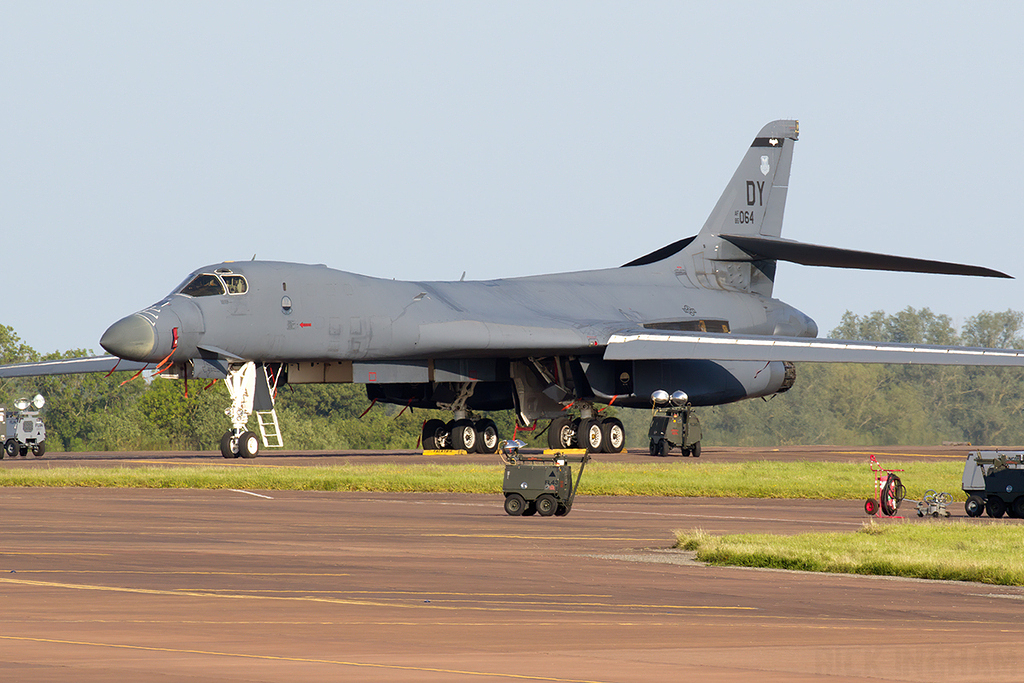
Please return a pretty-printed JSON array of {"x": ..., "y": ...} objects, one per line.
[{"x": 696, "y": 315}]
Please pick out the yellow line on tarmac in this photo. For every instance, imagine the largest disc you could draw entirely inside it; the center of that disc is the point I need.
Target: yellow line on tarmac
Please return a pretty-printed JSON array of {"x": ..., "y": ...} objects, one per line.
[
  {"x": 552, "y": 538},
  {"x": 29, "y": 552},
  {"x": 899, "y": 455},
  {"x": 186, "y": 593},
  {"x": 162, "y": 573},
  {"x": 242, "y": 655},
  {"x": 202, "y": 464},
  {"x": 554, "y": 596},
  {"x": 199, "y": 593}
]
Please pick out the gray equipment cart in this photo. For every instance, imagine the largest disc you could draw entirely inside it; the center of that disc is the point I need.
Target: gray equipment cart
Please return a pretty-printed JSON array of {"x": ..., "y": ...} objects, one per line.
[
  {"x": 676, "y": 428},
  {"x": 673, "y": 425},
  {"x": 541, "y": 483},
  {"x": 24, "y": 430},
  {"x": 994, "y": 483}
]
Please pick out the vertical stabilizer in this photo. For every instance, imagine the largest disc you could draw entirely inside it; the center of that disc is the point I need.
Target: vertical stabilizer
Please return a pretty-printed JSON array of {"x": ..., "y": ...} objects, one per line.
[
  {"x": 752, "y": 205},
  {"x": 755, "y": 198}
]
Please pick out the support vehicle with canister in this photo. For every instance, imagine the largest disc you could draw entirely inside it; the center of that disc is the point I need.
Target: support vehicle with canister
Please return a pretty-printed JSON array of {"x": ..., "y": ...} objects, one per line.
[{"x": 25, "y": 432}]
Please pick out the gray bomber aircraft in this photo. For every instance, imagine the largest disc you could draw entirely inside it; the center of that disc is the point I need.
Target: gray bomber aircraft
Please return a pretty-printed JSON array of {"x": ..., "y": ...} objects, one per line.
[{"x": 697, "y": 316}]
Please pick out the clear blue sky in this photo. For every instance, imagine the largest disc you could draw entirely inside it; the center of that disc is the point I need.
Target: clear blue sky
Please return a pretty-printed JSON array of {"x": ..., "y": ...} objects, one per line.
[{"x": 139, "y": 141}]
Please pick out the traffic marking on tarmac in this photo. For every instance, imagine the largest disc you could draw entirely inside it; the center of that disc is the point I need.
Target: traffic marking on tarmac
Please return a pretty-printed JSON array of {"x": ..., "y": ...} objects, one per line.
[
  {"x": 900, "y": 455},
  {"x": 276, "y": 658}
]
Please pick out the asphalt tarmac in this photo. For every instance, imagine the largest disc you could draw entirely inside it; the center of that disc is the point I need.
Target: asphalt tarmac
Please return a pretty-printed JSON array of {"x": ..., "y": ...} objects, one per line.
[
  {"x": 272, "y": 457},
  {"x": 183, "y": 585}
]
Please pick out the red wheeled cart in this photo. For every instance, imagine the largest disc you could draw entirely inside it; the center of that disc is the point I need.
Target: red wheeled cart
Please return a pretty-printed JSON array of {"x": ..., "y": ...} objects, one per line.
[{"x": 889, "y": 491}]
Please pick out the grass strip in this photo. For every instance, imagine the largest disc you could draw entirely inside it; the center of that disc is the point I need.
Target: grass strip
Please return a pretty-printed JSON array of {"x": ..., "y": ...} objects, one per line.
[
  {"x": 755, "y": 479},
  {"x": 955, "y": 551}
]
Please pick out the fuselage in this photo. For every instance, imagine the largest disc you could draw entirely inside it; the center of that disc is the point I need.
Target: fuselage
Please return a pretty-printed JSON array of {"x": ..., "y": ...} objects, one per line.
[{"x": 285, "y": 312}]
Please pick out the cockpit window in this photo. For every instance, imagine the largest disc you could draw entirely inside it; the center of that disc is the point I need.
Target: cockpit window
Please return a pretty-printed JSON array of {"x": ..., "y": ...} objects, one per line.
[
  {"x": 236, "y": 284},
  {"x": 203, "y": 285}
]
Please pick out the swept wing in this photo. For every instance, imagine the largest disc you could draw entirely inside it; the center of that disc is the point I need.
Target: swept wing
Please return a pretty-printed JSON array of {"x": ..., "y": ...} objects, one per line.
[
  {"x": 647, "y": 345},
  {"x": 72, "y": 366}
]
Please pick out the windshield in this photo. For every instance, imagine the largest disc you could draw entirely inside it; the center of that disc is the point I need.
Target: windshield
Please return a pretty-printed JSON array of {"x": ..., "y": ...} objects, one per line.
[
  {"x": 203, "y": 285},
  {"x": 236, "y": 284}
]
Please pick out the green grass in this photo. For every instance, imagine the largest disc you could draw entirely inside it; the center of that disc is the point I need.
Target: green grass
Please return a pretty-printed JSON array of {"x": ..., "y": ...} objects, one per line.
[
  {"x": 755, "y": 479},
  {"x": 385, "y": 478},
  {"x": 956, "y": 551}
]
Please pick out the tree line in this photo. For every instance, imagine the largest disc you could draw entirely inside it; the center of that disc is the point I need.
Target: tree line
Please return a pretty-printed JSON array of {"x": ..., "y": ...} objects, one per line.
[{"x": 848, "y": 404}]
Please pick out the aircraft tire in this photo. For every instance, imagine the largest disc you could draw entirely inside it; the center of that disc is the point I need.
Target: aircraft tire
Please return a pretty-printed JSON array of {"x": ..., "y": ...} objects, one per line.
[
  {"x": 614, "y": 435},
  {"x": 39, "y": 449},
  {"x": 435, "y": 435},
  {"x": 995, "y": 507},
  {"x": 464, "y": 436},
  {"x": 487, "y": 436},
  {"x": 974, "y": 506},
  {"x": 225, "y": 446},
  {"x": 248, "y": 445},
  {"x": 561, "y": 434},
  {"x": 515, "y": 505},
  {"x": 546, "y": 505},
  {"x": 591, "y": 436}
]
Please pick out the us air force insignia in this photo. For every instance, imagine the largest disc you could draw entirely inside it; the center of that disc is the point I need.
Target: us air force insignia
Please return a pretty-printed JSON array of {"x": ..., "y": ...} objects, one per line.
[{"x": 764, "y": 166}]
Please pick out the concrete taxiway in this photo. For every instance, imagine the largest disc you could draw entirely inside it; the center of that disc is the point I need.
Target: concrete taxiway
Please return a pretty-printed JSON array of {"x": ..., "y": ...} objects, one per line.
[{"x": 183, "y": 585}]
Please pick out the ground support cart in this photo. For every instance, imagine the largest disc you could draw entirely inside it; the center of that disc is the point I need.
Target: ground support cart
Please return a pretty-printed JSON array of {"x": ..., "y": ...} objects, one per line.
[
  {"x": 25, "y": 433},
  {"x": 889, "y": 491},
  {"x": 541, "y": 483},
  {"x": 994, "y": 483},
  {"x": 933, "y": 504},
  {"x": 676, "y": 427}
]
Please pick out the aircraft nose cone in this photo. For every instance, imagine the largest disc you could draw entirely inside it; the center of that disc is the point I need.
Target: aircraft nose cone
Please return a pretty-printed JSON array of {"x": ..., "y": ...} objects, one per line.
[{"x": 133, "y": 338}]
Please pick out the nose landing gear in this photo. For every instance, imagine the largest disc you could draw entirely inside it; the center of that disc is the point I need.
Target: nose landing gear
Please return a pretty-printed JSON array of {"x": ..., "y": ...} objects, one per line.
[
  {"x": 249, "y": 386},
  {"x": 244, "y": 444}
]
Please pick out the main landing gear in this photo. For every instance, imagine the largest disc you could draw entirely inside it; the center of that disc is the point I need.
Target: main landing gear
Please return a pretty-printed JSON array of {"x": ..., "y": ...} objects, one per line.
[
  {"x": 595, "y": 434},
  {"x": 462, "y": 433},
  {"x": 472, "y": 436}
]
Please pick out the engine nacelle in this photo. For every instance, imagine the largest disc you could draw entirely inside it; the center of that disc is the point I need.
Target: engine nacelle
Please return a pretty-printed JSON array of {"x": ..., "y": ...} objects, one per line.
[{"x": 704, "y": 382}]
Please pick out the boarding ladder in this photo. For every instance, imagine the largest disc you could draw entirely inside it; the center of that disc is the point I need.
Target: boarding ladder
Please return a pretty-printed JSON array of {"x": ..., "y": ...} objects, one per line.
[{"x": 270, "y": 428}]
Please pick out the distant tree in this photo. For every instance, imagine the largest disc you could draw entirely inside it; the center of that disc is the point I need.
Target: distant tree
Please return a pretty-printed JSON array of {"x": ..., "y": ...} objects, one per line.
[
  {"x": 13, "y": 350},
  {"x": 994, "y": 330}
]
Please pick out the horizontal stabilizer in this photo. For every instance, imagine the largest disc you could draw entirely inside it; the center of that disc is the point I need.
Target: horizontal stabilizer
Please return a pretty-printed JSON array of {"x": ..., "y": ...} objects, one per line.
[
  {"x": 722, "y": 347},
  {"x": 773, "y": 248},
  {"x": 71, "y": 366}
]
